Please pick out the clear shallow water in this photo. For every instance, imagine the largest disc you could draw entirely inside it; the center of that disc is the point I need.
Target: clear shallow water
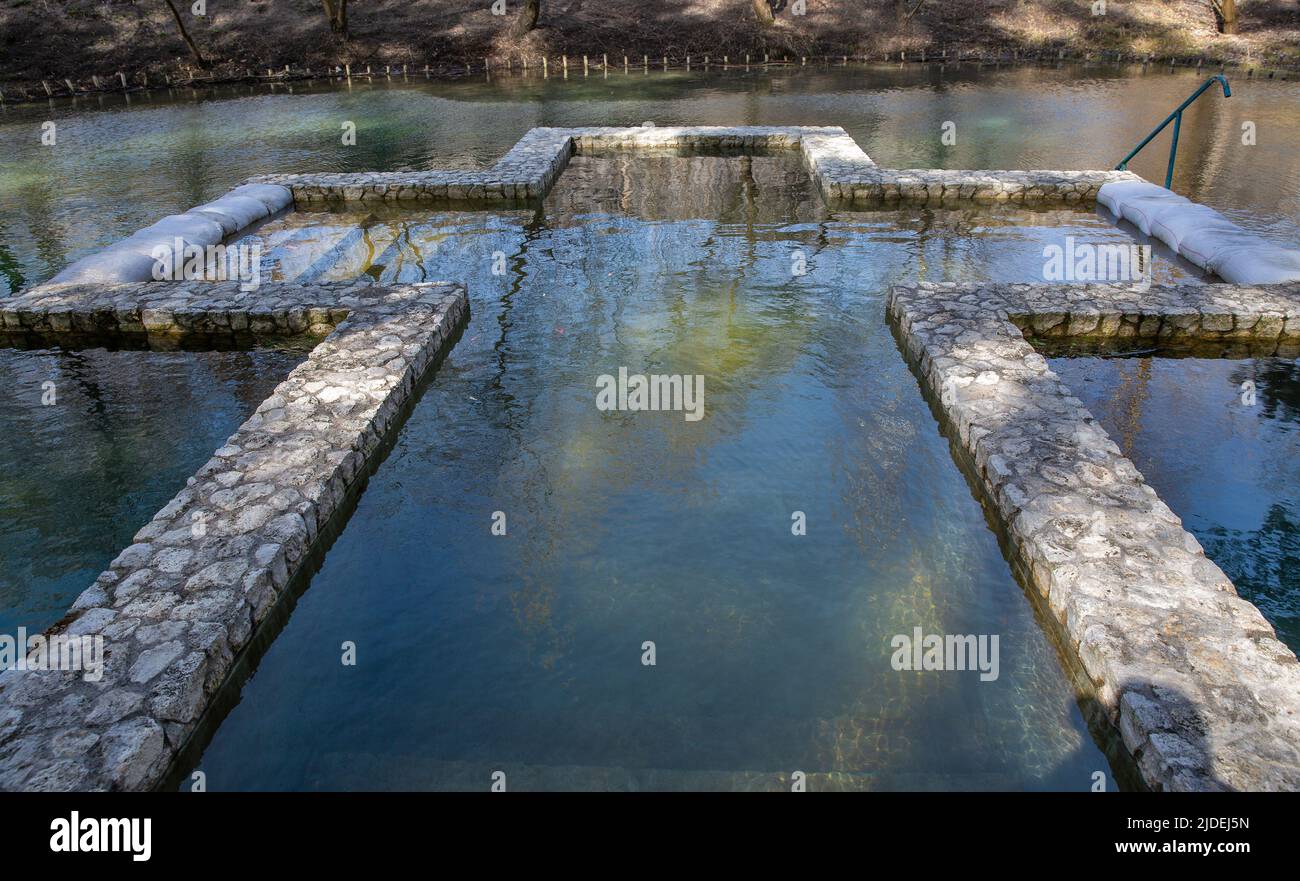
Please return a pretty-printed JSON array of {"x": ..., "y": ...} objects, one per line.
[
  {"x": 117, "y": 167},
  {"x": 523, "y": 652},
  {"x": 122, "y": 434},
  {"x": 1229, "y": 468}
]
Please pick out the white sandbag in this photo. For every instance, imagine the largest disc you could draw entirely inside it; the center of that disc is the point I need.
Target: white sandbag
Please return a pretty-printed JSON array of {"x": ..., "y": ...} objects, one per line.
[
  {"x": 245, "y": 210},
  {"x": 148, "y": 241},
  {"x": 115, "y": 265},
  {"x": 1172, "y": 223},
  {"x": 1205, "y": 244},
  {"x": 193, "y": 228},
  {"x": 276, "y": 198},
  {"x": 1112, "y": 194},
  {"x": 1258, "y": 264},
  {"x": 229, "y": 223},
  {"x": 1140, "y": 210}
]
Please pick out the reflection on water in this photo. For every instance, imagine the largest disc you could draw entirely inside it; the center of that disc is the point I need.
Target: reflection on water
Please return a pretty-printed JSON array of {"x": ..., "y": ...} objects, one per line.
[
  {"x": 1226, "y": 462},
  {"x": 523, "y": 652},
  {"x": 120, "y": 166},
  {"x": 121, "y": 434}
]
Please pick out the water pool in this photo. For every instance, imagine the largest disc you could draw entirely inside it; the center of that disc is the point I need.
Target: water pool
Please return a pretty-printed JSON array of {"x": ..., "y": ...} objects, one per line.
[
  {"x": 524, "y": 654},
  {"x": 479, "y": 652},
  {"x": 163, "y": 153}
]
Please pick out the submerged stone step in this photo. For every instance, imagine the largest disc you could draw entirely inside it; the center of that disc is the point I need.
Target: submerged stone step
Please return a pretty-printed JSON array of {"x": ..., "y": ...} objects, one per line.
[
  {"x": 355, "y": 771},
  {"x": 300, "y": 253}
]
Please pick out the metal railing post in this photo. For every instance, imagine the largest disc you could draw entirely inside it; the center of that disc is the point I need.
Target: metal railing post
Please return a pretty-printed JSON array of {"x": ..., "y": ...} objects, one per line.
[
  {"x": 1177, "y": 119},
  {"x": 1173, "y": 151}
]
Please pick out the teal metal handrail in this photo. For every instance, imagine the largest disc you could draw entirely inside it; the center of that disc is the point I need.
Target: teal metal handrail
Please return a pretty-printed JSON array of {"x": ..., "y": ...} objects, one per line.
[{"x": 1177, "y": 119}]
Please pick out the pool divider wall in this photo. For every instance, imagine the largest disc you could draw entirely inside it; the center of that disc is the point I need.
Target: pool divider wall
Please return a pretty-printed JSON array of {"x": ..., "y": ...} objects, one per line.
[
  {"x": 176, "y": 607},
  {"x": 839, "y": 167},
  {"x": 1203, "y": 693},
  {"x": 842, "y": 171}
]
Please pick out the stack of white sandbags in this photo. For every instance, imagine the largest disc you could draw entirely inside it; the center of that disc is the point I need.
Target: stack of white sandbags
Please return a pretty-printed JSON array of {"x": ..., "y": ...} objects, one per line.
[
  {"x": 1200, "y": 234},
  {"x": 132, "y": 259}
]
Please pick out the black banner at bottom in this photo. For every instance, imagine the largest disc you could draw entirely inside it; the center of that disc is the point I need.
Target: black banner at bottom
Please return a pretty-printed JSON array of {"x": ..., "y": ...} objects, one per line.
[{"x": 219, "y": 830}]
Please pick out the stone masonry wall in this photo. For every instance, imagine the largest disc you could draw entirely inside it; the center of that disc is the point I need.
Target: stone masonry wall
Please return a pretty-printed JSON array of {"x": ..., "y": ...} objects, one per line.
[
  {"x": 177, "y": 606},
  {"x": 1203, "y": 693},
  {"x": 842, "y": 171}
]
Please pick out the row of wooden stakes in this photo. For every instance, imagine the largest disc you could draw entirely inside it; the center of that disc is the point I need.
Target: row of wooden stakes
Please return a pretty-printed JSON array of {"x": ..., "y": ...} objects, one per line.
[{"x": 120, "y": 83}]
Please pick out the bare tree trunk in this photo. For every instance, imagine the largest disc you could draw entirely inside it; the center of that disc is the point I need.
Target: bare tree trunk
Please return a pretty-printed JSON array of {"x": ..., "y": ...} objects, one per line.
[
  {"x": 764, "y": 12},
  {"x": 185, "y": 35},
  {"x": 337, "y": 15},
  {"x": 902, "y": 13},
  {"x": 1228, "y": 11},
  {"x": 527, "y": 19}
]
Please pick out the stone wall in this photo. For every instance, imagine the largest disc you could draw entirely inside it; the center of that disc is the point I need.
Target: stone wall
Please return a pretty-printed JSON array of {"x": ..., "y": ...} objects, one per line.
[
  {"x": 1203, "y": 693},
  {"x": 177, "y": 606},
  {"x": 839, "y": 167}
]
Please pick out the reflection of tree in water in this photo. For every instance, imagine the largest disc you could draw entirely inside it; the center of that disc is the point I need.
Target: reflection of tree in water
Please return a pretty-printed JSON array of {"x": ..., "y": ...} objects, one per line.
[
  {"x": 126, "y": 430},
  {"x": 657, "y": 297},
  {"x": 1277, "y": 387},
  {"x": 1128, "y": 400},
  {"x": 1265, "y": 566},
  {"x": 11, "y": 273}
]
